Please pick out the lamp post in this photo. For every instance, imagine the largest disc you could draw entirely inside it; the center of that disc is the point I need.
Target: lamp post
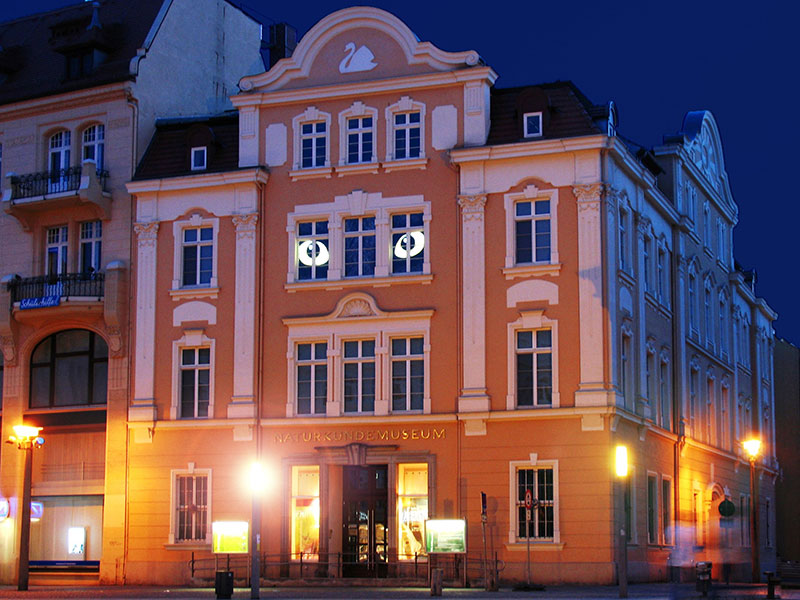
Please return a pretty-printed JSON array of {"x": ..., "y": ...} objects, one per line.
[
  {"x": 257, "y": 485},
  {"x": 753, "y": 447},
  {"x": 26, "y": 438},
  {"x": 621, "y": 471}
]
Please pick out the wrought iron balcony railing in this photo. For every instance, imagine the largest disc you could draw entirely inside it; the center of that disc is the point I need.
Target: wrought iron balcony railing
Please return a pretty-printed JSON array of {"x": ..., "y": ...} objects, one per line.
[
  {"x": 61, "y": 286},
  {"x": 31, "y": 185}
]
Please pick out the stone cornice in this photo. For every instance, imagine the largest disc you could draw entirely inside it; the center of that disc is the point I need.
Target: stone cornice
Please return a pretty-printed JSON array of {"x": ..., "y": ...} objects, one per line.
[
  {"x": 60, "y": 102},
  {"x": 257, "y": 175}
]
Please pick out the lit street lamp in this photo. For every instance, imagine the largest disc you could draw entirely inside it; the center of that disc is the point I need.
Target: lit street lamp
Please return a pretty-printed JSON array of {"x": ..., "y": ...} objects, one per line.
[
  {"x": 26, "y": 438},
  {"x": 621, "y": 471},
  {"x": 753, "y": 447},
  {"x": 258, "y": 482}
]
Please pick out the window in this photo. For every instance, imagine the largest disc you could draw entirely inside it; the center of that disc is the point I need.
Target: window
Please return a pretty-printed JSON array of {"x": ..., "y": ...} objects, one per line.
[
  {"x": 312, "y": 378},
  {"x": 625, "y": 375},
  {"x": 80, "y": 63},
  {"x": 532, "y": 231},
  {"x": 91, "y": 246},
  {"x": 693, "y": 403},
  {"x": 69, "y": 368},
  {"x": 408, "y": 374},
  {"x": 697, "y": 518},
  {"x": 666, "y": 510},
  {"x": 305, "y": 513},
  {"x": 359, "y": 140},
  {"x": 195, "y": 258},
  {"x": 693, "y": 303},
  {"x": 707, "y": 226},
  {"x": 664, "y": 396},
  {"x": 649, "y": 377},
  {"x": 648, "y": 267},
  {"x": 623, "y": 240},
  {"x": 724, "y": 422},
  {"x": 534, "y": 368},
  {"x": 723, "y": 325},
  {"x": 58, "y": 161},
  {"x": 405, "y": 130},
  {"x": 539, "y": 481},
  {"x": 533, "y": 124},
  {"x": 199, "y": 158},
  {"x": 94, "y": 145},
  {"x": 412, "y": 509},
  {"x": 660, "y": 276},
  {"x": 57, "y": 250},
  {"x": 359, "y": 376},
  {"x": 652, "y": 509},
  {"x": 195, "y": 382},
  {"x": 191, "y": 502},
  {"x": 313, "y": 253},
  {"x": 708, "y": 314},
  {"x": 359, "y": 247},
  {"x": 314, "y": 143},
  {"x": 721, "y": 233},
  {"x": 408, "y": 243},
  {"x": 311, "y": 144}
]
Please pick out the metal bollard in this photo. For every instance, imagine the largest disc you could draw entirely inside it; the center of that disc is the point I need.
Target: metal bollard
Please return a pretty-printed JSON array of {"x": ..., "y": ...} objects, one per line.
[{"x": 772, "y": 581}]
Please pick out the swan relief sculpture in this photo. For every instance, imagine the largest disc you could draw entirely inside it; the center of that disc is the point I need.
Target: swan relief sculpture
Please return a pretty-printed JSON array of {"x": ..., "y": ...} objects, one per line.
[{"x": 357, "y": 60}]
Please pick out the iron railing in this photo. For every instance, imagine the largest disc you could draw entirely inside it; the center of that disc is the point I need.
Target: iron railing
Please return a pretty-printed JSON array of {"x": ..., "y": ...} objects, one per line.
[
  {"x": 64, "y": 286},
  {"x": 31, "y": 185}
]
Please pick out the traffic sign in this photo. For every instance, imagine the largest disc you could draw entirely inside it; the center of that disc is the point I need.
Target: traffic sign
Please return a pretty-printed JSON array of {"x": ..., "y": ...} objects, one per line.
[{"x": 528, "y": 499}]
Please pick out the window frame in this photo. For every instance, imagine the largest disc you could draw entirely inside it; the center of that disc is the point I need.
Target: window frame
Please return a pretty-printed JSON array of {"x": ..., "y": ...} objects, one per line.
[
  {"x": 404, "y": 105},
  {"x": 195, "y": 152},
  {"x": 61, "y": 248},
  {"x": 314, "y": 363},
  {"x": 408, "y": 358},
  {"x": 95, "y": 245},
  {"x": 358, "y": 110},
  {"x": 531, "y": 320},
  {"x": 192, "y": 338},
  {"x": 532, "y": 463},
  {"x": 653, "y": 509},
  {"x": 667, "y": 511},
  {"x": 310, "y": 115},
  {"x": 194, "y": 222},
  {"x": 531, "y": 194},
  {"x": 97, "y": 144},
  {"x": 190, "y": 471},
  {"x": 525, "y": 132},
  {"x": 196, "y": 368},
  {"x": 360, "y": 360}
]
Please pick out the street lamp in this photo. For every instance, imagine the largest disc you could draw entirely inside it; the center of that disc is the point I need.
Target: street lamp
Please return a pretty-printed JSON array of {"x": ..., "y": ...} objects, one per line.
[
  {"x": 753, "y": 447},
  {"x": 621, "y": 471},
  {"x": 26, "y": 438},
  {"x": 258, "y": 483}
]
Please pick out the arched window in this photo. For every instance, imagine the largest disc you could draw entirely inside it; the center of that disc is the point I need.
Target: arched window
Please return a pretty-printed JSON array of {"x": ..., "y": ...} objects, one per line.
[
  {"x": 94, "y": 144},
  {"x": 69, "y": 368}
]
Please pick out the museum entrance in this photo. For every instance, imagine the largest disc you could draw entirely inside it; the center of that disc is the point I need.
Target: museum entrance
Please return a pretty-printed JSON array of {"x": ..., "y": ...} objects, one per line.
[{"x": 364, "y": 520}]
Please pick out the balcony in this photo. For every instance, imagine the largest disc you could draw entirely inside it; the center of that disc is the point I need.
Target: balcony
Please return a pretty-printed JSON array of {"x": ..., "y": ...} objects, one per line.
[
  {"x": 32, "y": 193},
  {"x": 50, "y": 290}
]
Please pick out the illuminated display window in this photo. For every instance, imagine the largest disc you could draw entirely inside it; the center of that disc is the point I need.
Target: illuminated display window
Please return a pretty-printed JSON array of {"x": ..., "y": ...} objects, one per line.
[
  {"x": 412, "y": 509},
  {"x": 359, "y": 247},
  {"x": 305, "y": 512},
  {"x": 359, "y": 376},
  {"x": 408, "y": 374},
  {"x": 408, "y": 243},
  {"x": 312, "y": 378},
  {"x": 313, "y": 251},
  {"x": 534, "y": 368}
]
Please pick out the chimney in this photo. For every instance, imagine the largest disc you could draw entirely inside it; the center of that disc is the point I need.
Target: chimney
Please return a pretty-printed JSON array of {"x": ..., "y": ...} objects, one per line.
[{"x": 281, "y": 44}]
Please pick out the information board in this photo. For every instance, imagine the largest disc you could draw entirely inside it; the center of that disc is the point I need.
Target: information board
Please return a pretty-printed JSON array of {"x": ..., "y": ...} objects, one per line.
[{"x": 446, "y": 536}]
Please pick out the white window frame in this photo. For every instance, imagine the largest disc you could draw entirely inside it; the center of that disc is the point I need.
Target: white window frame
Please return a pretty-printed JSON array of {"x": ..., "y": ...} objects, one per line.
[
  {"x": 530, "y": 194},
  {"x": 192, "y": 338},
  {"x": 667, "y": 529},
  {"x": 97, "y": 143},
  {"x": 528, "y": 134},
  {"x": 195, "y": 221},
  {"x": 60, "y": 246},
  {"x": 190, "y": 471},
  {"x": 408, "y": 358},
  {"x": 404, "y": 105},
  {"x": 663, "y": 274},
  {"x": 654, "y": 536},
  {"x": 313, "y": 363},
  {"x": 358, "y": 204},
  {"x": 624, "y": 238},
  {"x": 530, "y": 320},
  {"x": 626, "y": 370},
  {"x": 708, "y": 311},
  {"x": 647, "y": 251},
  {"x": 310, "y": 115},
  {"x": 359, "y": 360},
  {"x": 94, "y": 242},
  {"x": 201, "y": 151},
  {"x": 532, "y": 463},
  {"x": 357, "y": 110}
]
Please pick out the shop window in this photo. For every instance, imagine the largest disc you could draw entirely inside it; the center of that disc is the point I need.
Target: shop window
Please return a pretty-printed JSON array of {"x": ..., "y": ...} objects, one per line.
[
  {"x": 312, "y": 378},
  {"x": 412, "y": 509},
  {"x": 305, "y": 513},
  {"x": 191, "y": 507},
  {"x": 69, "y": 368},
  {"x": 408, "y": 374}
]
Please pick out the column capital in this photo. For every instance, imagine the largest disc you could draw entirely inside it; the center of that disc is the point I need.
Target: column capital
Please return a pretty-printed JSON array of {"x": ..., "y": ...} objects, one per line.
[
  {"x": 592, "y": 192},
  {"x": 146, "y": 233},
  {"x": 245, "y": 225}
]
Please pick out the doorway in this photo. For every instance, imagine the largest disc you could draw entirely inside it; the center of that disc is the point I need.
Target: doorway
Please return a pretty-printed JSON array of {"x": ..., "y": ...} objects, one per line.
[{"x": 364, "y": 521}]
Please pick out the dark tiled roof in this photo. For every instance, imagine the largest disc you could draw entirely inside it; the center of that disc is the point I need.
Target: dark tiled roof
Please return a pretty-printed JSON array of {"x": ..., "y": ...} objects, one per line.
[
  {"x": 168, "y": 152},
  {"x": 33, "y": 56},
  {"x": 566, "y": 112}
]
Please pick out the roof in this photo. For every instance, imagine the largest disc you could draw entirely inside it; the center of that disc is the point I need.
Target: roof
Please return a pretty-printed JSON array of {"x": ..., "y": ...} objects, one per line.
[
  {"x": 168, "y": 152},
  {"x": 34, "y": 49},
  {"x": 566, "y": 112}
]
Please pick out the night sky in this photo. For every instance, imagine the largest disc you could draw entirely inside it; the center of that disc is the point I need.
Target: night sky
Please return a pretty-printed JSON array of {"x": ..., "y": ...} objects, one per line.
[{"x": 656, "y": 61}]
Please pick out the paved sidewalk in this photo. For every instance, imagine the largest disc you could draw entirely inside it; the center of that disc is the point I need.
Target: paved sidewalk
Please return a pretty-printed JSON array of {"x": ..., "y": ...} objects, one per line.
[{"x": 659, "y": 591}]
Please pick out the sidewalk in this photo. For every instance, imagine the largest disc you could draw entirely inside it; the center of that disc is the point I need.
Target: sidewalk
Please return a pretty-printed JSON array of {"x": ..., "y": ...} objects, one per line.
[{"x": 657, "y": 591}]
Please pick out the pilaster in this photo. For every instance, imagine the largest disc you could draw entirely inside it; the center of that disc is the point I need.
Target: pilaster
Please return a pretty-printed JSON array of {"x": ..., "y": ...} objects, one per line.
[{"x": 143, "y": 407}]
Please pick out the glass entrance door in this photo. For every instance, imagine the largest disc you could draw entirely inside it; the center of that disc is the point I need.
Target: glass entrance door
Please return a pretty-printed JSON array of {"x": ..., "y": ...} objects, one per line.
[{"x": 364, "y": 502}]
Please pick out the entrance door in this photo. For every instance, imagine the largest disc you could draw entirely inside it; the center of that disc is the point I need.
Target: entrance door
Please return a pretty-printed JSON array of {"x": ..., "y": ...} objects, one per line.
[{"x": 364, "y": 520}]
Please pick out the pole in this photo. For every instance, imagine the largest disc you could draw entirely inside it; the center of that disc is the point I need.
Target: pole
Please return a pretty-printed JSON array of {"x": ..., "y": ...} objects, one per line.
[
  {"x": 255, "y": 543},
  {"x": 622, "y": 544},
  {"x": 25, "y": 524},
  {"x": 754, "y": 522},
  {"x": 528, "y": 536}
]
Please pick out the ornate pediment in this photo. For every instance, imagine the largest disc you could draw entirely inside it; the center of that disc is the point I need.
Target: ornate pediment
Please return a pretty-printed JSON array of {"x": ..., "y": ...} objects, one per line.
[{"x": 704, "y": 147}]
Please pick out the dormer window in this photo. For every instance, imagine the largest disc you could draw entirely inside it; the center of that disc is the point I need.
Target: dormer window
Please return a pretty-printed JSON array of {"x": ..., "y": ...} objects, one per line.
[
  {"x": 80, "y": 63},
  {"x": 199, "y": 154},
  {"x": 533, "y": 124}
]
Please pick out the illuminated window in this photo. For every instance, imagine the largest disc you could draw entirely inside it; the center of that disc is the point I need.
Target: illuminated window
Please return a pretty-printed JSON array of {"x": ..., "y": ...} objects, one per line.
[
  {"x": 359, "y": 247},
  {"x": 312, "y": 378},
  {"x": 408, "y": 243},
  {"x": 305, "y": 512},
  {"x": 532, "y": 231},
  {"x": 534, "y": 368},
  {"x": 91, "y": 246},
  {"x": 408, "y": 374},
  {"x": 191, "y": 508},
  {"x": 412, "y": 509},
  {"x": 359, "y": 376},
  {"x": 313, "y": 144},
  {"x": 539, "y": 481},
  {"x": 94, "y": 145},
  {"x": 195, "y": 382},
  {"x": 313, "y": 251}
]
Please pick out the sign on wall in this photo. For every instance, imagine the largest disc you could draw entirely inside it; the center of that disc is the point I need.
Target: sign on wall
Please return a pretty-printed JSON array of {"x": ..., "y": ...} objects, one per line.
[
  {"x": 229, "y": 537},
  {"x": 446, "y": 536}
]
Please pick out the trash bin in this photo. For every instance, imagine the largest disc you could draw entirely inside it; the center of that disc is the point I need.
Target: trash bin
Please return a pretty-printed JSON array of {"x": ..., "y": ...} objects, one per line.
[
  {"x": 223, "y": 584},
  {"x": 703, "y": 577}
]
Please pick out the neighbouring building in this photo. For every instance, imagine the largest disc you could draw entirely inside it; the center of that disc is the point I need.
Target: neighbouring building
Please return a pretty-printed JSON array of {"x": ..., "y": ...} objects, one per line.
[
  {"x": 787, "y": 424},
  {"x": 400, "y": 287},
  {"x": 80, "y": 88}
]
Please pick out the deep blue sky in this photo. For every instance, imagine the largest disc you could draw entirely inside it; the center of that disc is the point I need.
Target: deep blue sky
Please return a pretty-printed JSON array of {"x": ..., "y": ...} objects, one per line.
[{"x": 656, "y": 60}]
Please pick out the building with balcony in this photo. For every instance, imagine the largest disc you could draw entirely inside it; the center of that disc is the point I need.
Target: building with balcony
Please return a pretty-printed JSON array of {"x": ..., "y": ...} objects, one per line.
[
  {"x": 80, "y": 88},
  {"x": 411, "y": 289}
]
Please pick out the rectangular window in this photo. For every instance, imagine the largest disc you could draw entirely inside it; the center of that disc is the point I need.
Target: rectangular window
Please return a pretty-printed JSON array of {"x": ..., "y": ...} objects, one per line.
[
  {"x": 313, "y": 251},
  {"x": 359, "y": 376},
  {"x": 199, "y": 158},
  {"x": 660, "y": 276},
  {"x": 692, "y": 303},
  {"x": 94, "y": 144},
  {"x": 723, "y": 327},
  {"x": 407, "y": 135},
  {"x": 312, "y": 378},
  {"x": 533, "y": 124},
  {"x": 532, "y": 231},
  {"x": 709, "y": 319},
  {"x": 693, "y": 384},
  {"x": 198, "y": 256},
  {"x": 191, "y": 508},
  {"x": 91, "y": 246},
  {"x": 359, "y": 140},
  {"x": 652, "y": 509},
  {"x": 539, "y": 481},
  {"x": 624, "y": 368},
  {"x": 313, "y": 144},
  {"x": 666, "y": 401},
  {"x": 57, "y": 250},
  {"x": 623, "y": 240},
  {"x": 535, "y": 368},
  {"x": 650, "y": 367},
  {"x": 305, "y": 512},
  {"x": 1, "y": 381},
  {"x": 412, "y": 509},
  {"x": 195, "y": 382},
  {"x": 359, "y": 247},
  {"x": 666, "y": 510},
  {"x": 408, "y": 374},
  {"x": 408, "y": 243}
]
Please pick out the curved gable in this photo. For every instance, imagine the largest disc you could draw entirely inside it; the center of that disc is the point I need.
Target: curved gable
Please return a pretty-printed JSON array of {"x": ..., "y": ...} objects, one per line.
[
  {"x": 357, "y": 44},
  {"x": 704, "y": 146}
]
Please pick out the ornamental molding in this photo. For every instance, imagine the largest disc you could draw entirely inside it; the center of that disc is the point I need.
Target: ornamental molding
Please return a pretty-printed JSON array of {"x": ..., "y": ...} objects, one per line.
[
  {"x": 9, "y": 350},
  {"x": 146, "y": 233},
  {"x": 245, "y": 225},
  {"x": 357, "y": 305},
  {"x": 472, "y": 207},
  {"x": 356, "y": 308},
  {"x": 592, "y": 192}
]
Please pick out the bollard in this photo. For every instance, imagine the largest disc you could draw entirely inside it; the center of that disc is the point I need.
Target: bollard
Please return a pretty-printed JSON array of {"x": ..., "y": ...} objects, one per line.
[
  {"x": 772, "y": 581},
  {"x": 703, "y": 575},
  {"x": 437, "y": 575},
  {"x": 223, "y": 584}
]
